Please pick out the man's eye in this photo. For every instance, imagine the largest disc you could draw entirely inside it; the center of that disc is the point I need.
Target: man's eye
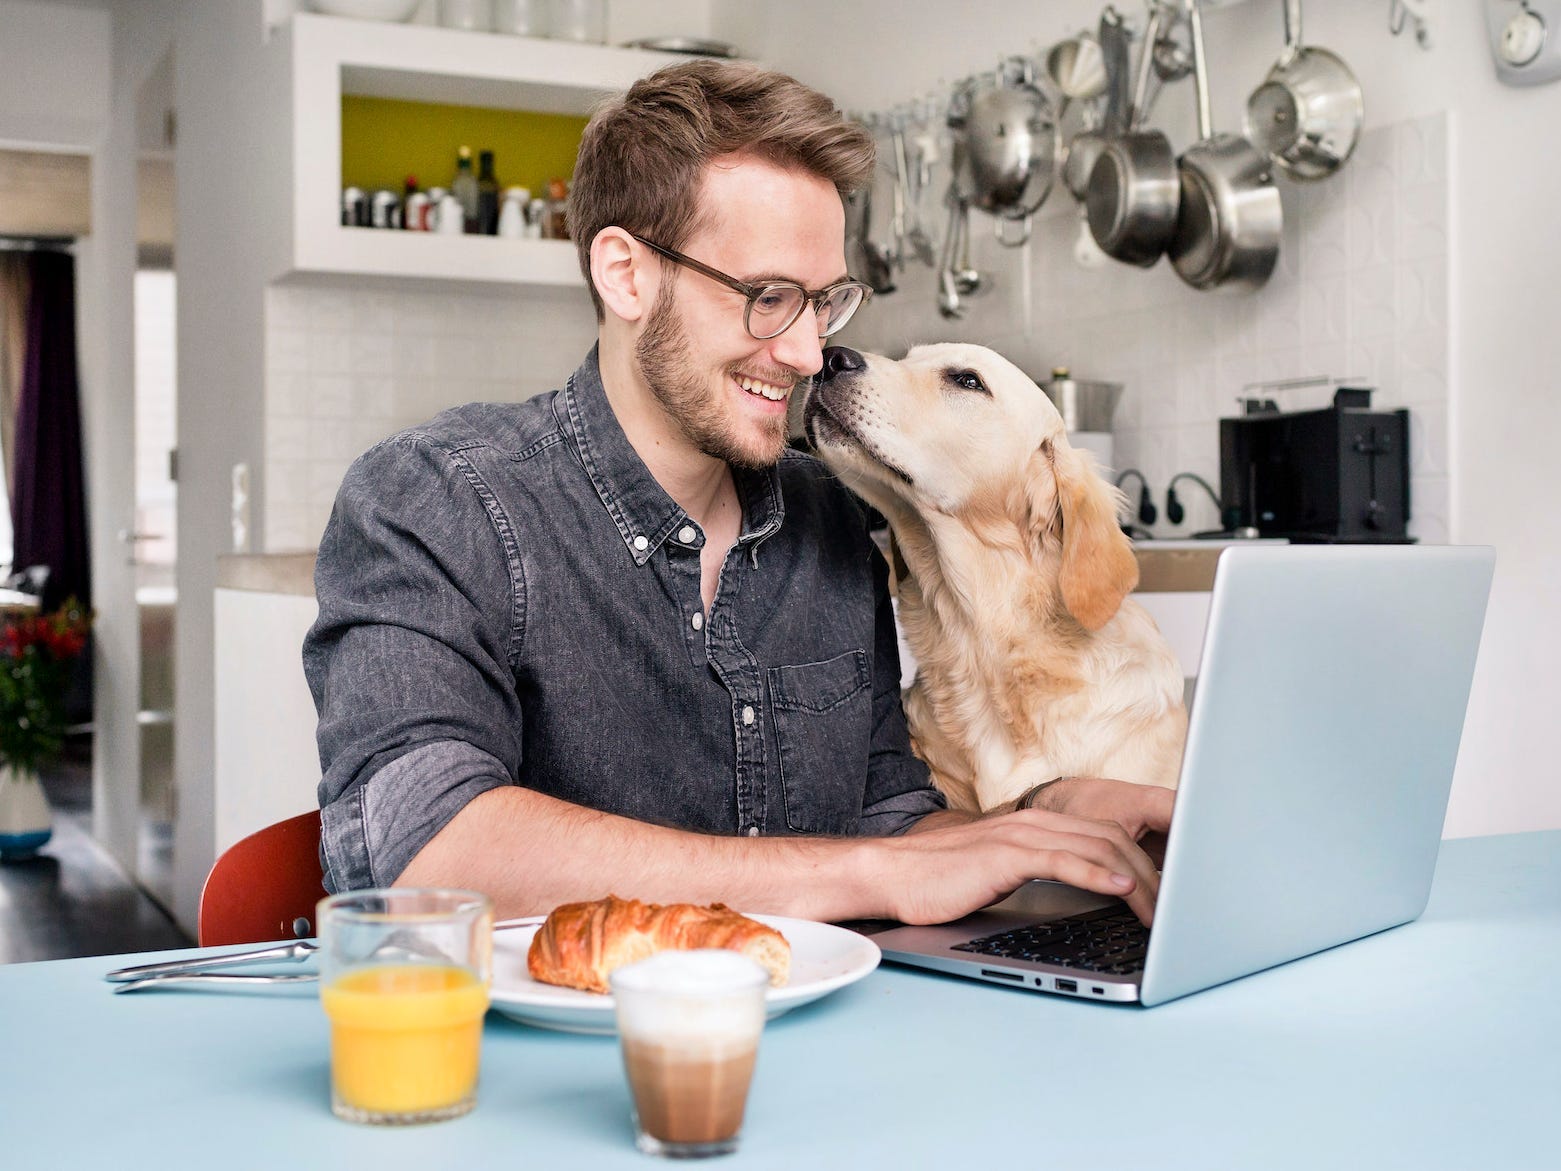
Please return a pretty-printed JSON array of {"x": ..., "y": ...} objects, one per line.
[{"x": 968, "y": 380}]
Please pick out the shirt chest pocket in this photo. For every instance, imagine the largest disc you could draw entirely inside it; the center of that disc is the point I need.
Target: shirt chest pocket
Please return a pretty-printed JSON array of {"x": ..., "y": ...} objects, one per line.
[{"x": 822, "y": 714}]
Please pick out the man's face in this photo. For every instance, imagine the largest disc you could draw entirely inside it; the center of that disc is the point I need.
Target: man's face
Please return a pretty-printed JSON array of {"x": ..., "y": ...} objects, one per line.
[{"x": 724, "y": 389}]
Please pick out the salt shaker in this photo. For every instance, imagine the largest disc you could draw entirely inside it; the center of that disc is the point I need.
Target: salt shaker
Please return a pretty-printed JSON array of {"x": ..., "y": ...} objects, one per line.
[
  {"x": 452, "y": 217},
  {"x": 512, "y": 216}
]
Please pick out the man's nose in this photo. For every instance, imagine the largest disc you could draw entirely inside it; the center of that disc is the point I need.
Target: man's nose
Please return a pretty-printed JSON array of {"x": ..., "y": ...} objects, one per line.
[{"x": 840, "y": 360}]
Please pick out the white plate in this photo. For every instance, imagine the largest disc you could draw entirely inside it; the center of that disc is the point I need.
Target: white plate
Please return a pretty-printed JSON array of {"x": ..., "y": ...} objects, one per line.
[{"x": 823, "y": 958}]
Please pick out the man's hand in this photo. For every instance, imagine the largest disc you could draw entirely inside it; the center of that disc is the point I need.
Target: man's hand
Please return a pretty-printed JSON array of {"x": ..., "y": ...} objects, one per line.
[
  {"x": 943, "y": 873},
  {"x": 1144, "y": 811}
]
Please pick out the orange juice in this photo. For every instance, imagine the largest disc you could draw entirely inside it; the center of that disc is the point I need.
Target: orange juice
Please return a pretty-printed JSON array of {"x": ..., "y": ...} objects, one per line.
[{"x": 405, "y": 1039}]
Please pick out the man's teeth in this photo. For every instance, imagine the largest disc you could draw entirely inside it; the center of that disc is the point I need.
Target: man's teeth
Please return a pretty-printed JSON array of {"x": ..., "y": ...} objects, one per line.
[{"x": 768, "y": 389}]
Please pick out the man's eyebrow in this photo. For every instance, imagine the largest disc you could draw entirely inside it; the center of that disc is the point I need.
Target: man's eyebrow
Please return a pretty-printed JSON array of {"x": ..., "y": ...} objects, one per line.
[{"x": 771, "y": 277}]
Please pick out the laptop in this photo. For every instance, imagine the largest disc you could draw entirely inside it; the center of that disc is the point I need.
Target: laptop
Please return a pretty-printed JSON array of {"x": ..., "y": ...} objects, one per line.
[{"x": 1320, "y": 750}]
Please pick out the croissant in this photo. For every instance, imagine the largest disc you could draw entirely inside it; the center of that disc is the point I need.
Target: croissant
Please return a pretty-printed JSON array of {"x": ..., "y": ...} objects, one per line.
[{"x": 580, "y": 943}]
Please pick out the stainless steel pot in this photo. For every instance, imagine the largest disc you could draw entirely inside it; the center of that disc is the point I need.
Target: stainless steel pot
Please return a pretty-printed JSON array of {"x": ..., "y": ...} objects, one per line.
[
  {"x": 1084, "y": 406},
  {"x": 1134, "y": 192},
  {"x": 1228, "y": 226},
  {"x": 1307, "y": 114},
  {"x": 1085, "y": 147},
  {"x": 1009, "y": 140}
]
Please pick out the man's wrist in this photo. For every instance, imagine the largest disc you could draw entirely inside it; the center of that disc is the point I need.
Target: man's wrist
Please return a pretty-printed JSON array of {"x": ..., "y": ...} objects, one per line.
[{"x": 1032, "y": 794}]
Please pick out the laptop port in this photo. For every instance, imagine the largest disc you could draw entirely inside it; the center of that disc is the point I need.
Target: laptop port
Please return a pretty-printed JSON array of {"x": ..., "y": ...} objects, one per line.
[
  {"x": 991, "y": 975},
  {"x": 1097, "y": 991},
  {"x": 1067, "y": 985}
]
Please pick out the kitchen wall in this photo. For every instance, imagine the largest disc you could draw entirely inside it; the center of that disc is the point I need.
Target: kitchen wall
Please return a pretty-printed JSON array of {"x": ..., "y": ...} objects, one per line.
[
  {"x": 347, "y": 365},
  {"x": 1361, "y": 290},
  {"x": 1504, "y": 251}
]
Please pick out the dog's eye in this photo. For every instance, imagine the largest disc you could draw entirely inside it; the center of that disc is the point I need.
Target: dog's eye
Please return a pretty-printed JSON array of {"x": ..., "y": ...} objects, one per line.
[{"x": 968, "y": 380}]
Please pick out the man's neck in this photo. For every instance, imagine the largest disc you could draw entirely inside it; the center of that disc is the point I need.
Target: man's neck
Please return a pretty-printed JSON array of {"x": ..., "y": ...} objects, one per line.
[{"x": 701, "y": 484}]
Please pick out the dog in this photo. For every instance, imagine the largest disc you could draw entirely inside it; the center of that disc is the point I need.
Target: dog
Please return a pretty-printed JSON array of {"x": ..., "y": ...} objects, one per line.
[{"x": 1033, "y": 662}]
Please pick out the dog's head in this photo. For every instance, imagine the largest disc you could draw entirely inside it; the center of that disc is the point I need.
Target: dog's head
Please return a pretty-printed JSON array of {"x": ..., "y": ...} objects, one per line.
[{"x": 956, "y": 431}]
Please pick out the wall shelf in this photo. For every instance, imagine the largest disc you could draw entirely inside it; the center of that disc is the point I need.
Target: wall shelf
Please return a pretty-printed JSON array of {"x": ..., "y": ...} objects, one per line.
[{"x": 319, "y": 58}]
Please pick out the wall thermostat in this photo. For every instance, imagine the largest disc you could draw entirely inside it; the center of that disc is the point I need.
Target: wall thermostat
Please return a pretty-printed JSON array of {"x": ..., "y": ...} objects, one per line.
[{"x": 1525, "y": 40}]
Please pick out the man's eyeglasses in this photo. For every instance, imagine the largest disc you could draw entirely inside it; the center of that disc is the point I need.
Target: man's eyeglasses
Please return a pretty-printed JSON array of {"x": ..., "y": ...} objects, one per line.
[{"x": 775, "y": 305}]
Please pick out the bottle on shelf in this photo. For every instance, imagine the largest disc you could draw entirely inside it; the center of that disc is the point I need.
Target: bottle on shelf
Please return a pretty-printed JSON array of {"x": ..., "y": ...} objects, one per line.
[
  {"x": 556, "y": 226},
  {"x": 487, "y": 196},
  {"x": 414, "y": 206},
  {"x": 464, "y": 187}
]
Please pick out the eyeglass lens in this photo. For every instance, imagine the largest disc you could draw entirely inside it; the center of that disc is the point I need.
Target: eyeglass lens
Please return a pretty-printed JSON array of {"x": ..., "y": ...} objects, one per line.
[{"x": 775, "y": 307}]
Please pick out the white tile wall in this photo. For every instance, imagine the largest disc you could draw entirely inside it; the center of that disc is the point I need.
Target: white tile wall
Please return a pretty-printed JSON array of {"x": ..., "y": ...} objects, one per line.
[
  {"x": 347, "y": 365},
  {"x": 1361, "y": 290}
]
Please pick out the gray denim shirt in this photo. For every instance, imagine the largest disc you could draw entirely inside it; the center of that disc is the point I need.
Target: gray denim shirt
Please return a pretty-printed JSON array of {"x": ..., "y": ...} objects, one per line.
[{"x": 507, "y": 596}]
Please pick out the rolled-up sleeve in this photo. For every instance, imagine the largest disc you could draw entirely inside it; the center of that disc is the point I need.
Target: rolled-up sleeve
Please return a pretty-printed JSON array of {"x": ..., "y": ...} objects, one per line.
[
  {"x": 411, "y": 661},
  {"x": 899, "y": 789}
]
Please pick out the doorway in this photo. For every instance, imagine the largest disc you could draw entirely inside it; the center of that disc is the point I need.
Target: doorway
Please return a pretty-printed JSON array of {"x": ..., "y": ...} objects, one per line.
[{"x": 152, "y": 543}]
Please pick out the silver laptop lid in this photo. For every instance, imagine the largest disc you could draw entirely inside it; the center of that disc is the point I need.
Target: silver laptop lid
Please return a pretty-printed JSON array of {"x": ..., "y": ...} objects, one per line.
[{"x": 1320, "y": 753}]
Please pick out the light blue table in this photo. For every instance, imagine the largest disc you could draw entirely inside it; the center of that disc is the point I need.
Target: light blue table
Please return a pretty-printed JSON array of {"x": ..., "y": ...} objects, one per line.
[{"x": 1436, "y": 1045}]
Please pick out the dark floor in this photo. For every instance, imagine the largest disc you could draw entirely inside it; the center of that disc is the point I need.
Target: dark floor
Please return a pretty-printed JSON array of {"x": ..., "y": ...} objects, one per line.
[{"x": 73, "y": 899}]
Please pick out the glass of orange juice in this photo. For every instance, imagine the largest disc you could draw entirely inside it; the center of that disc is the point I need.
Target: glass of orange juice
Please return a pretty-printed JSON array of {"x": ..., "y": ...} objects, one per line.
[{"x": 404, "y": 978}]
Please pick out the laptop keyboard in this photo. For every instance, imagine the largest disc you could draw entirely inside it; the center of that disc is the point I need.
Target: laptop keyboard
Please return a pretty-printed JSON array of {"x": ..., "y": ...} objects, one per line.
[{"x": 1109, "y": 940}]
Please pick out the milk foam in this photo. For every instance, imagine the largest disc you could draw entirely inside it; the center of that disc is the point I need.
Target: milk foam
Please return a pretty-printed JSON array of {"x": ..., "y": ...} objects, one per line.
[{"x": 708, "y": 995}]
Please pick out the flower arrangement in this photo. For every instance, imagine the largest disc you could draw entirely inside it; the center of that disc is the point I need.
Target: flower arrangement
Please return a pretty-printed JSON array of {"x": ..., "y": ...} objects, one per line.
[{"x": 35, "y": 655}]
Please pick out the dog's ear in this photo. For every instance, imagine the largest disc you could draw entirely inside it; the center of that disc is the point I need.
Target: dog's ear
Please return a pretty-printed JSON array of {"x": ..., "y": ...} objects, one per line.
[{"x": 1098, "y": 566}]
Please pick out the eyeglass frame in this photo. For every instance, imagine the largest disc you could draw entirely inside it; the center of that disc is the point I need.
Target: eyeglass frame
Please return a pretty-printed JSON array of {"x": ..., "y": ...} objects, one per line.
[{"x": 813, "y": 297}]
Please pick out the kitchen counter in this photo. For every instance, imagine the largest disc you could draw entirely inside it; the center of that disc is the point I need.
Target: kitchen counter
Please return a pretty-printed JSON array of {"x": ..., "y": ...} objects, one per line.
[
  {"x": 1183, "y": 566},
  {"x": 268, "y": 573}
]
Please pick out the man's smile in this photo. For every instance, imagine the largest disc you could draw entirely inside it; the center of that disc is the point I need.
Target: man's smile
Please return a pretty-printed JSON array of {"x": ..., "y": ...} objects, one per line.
[{"x": 769, "y": 390}]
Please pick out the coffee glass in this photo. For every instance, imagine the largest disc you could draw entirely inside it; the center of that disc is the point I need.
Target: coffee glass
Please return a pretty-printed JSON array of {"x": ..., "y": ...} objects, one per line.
[
  {"x": 404, "y": 977},
  {"x": 689, "y": 1024}
]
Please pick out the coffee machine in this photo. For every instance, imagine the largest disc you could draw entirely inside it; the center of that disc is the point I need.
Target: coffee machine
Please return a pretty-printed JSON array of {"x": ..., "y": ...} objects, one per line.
[{"x": 1335, "y": 475}]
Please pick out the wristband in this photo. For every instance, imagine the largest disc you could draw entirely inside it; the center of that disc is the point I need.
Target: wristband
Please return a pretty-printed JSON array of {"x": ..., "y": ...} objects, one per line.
[{"x": 1028, "y": 800}]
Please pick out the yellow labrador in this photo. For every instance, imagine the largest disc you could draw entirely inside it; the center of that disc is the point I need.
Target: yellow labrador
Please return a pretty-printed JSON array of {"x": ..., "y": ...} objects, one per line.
[{"x": 1032, "y": 660}]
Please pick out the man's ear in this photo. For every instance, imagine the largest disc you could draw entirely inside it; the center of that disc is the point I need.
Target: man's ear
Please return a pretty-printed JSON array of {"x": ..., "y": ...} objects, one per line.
[{"x": 624, "y": 279}]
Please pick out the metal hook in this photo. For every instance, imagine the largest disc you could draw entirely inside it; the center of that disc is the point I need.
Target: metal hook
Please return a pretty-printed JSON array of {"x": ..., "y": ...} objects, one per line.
[{"x": 1401, "y": 12}]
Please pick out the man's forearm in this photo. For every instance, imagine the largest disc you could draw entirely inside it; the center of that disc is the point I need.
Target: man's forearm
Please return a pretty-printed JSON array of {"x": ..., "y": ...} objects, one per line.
[{"x": 530, "y": 852}]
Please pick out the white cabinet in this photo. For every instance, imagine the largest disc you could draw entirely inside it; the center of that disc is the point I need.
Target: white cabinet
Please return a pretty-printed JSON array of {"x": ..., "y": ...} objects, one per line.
[{"x": 319, "y": 58}]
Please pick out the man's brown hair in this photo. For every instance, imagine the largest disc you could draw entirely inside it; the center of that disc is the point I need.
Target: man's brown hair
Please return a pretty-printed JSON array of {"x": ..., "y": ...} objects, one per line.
[{"x": 643, "y": 153}]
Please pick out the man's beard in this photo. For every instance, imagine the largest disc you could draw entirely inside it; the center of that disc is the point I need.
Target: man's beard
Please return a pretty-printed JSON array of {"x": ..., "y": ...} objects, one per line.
[{"x": 691, "y": 402}]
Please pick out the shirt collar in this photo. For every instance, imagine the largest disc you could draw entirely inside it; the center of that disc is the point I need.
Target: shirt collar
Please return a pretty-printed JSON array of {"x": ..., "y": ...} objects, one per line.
[{"x": 639, "y": 506}]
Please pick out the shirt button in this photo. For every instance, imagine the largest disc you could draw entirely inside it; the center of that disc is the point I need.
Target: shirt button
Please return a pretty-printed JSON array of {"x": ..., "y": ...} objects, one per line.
[
  {"x": 686, "y": 534},
  {"x": 753, "y": 831},
  {"x": 698, "y": 621},
  {"x": 747, "y": 715},
  {"x": 641, "y": 544}
]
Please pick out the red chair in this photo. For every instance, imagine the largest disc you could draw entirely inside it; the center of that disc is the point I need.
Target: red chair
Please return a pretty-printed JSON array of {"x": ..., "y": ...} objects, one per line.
[{"x": 264, "y": 888}]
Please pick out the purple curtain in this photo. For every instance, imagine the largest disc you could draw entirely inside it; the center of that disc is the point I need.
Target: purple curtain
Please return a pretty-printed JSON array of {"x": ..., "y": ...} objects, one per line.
[{"x": 49, "y": 499}]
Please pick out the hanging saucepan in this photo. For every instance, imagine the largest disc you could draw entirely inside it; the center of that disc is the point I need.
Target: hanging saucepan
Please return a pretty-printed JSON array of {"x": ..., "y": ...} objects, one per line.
[
  {"x": 1134, "y": 191},
  {"x": 1228, "y": 226},
  {"x": 1009, "y": 141},
  {"x": 1086, "y": 145},
  {"x": 1307, "y": 113}
]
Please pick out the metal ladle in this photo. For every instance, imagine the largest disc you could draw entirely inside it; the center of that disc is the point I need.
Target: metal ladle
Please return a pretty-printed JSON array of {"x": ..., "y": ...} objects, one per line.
[
  {"x": 949, "y": 304},
  {"x": 967, "y": 278}
]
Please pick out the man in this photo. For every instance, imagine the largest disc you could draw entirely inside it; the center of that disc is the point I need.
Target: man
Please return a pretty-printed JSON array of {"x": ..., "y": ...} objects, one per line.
[{"x": 619, "y": 638}]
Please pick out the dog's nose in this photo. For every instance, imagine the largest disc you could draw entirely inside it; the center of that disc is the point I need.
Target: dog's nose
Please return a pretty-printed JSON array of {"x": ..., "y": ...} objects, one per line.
[{"x": 840, "y": 360}]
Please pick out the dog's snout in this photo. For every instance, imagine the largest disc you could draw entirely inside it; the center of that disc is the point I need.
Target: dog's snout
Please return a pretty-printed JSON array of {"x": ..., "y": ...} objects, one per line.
[{"x": 840, "y": 360}]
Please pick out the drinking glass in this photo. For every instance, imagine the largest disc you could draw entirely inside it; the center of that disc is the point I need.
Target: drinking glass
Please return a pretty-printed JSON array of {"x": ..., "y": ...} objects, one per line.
[
  {"x": 404, "y": 978},
  {"x": 689, "y": 1024}
]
